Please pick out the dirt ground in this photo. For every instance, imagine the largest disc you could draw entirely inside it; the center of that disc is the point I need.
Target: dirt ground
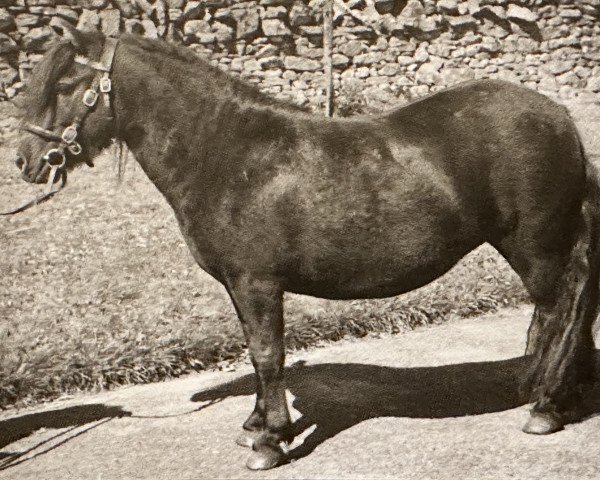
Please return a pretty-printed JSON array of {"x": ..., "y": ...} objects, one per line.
[{"x": 436, "y": 403}]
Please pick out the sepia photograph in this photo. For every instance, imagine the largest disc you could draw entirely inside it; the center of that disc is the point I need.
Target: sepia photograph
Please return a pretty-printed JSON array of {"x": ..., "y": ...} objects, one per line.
[{"x": 300, "y": 239}]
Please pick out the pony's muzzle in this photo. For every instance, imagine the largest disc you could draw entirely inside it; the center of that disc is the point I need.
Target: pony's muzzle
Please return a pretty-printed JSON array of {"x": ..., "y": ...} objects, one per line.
[{"x": 53, "y": 158}]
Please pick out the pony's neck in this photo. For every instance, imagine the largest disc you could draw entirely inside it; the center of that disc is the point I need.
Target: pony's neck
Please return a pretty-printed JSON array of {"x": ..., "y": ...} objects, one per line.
[{"x": 173, "y": 112}]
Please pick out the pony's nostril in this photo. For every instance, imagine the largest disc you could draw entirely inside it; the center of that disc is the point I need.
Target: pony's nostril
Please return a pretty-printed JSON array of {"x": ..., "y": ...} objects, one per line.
[{"x": 20, "y": 163}]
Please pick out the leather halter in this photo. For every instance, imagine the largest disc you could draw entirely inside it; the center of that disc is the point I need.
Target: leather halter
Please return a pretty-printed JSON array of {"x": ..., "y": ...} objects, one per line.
[{"x": 67, "y": 139}]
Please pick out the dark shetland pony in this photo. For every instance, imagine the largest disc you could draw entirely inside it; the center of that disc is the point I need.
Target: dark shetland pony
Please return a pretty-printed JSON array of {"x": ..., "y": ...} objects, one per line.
[{"x": 271, "y": 199}]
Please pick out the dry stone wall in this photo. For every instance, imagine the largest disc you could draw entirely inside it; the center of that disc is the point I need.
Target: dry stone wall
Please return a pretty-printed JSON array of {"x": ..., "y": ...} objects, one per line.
[{"x": 383, "y": 49}]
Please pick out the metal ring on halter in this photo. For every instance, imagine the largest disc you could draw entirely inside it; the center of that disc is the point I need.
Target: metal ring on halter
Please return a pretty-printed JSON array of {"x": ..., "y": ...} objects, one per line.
[
  {"x": 74, "y": 148},
  {"x": 63, "y": 158}
]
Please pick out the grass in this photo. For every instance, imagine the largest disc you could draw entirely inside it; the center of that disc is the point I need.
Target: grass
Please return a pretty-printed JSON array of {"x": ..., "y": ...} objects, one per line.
[{"x": 97, "y": 289}]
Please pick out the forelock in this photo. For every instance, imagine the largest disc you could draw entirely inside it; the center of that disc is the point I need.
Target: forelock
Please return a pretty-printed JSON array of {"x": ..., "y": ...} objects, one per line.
[
  {"x": 53, "y": 66},
  {"x": 45, "y": 75}
]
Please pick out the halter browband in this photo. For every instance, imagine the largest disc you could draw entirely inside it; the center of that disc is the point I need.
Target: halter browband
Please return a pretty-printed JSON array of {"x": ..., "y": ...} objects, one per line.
[{"x": 67, "y": 139}]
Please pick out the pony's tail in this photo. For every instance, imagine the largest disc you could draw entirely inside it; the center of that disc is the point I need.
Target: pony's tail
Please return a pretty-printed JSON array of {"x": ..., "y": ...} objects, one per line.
[
  {"x": 591, "y": 214},
  {"x": 563, "y": 356}
]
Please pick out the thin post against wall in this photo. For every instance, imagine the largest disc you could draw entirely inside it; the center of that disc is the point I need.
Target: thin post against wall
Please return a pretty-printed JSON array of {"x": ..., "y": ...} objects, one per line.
[{"x": 327, "y": 55}]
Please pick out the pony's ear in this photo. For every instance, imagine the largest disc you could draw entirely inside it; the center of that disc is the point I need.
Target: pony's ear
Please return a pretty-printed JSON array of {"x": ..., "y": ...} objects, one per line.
[{"x": 69, "y": 32}]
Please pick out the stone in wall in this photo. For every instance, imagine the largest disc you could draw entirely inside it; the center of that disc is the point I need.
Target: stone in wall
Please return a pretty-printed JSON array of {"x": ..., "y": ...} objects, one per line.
[
  {"x": 301, "y": 64},
  {"x": 110, "y": 21},
  {"x": 91, "y": 4},
  {"x": 7, "y": 21},
  {"x": 247, "y": 22},
  {"x": 353, "y": 48},
  {"x": 516, "y": 12},
  {"x": 274, "y": 27},
  {"x": 89, "y": 20},
  {"x": 66, "y": 13},
  {"x": 37, "y": 39},
  {"x": 7, "y": 45},
  {"x": 300, "y": 15}
]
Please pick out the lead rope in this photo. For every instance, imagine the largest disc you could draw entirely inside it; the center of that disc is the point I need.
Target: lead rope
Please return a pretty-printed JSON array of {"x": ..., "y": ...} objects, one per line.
[
  {"x": 101, "y": 85},
  {"x": 49, "y": 192}
]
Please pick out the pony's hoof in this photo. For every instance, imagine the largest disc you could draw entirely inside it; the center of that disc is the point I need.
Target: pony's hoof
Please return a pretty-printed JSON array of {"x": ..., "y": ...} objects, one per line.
[
  {"x": 543, "y": 424},
  {"x": 247, "y": 439},
  {"x": 266, "y": 459}
]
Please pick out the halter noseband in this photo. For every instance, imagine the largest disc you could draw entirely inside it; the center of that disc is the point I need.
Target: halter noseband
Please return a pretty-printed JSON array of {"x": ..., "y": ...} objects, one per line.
[{"x": 67, "y": 139}]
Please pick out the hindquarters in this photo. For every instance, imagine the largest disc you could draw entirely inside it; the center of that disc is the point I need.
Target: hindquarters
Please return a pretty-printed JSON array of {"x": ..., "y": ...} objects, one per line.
[
  {"x": 513, "y": 156},
  {"x": 536, "y": 199},
  {"x": 519, "y": 166}
]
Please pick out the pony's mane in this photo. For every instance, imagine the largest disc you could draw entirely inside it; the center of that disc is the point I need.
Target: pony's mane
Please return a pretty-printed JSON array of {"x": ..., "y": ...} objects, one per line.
[
  {"x": 59, "y": 59},
  {"x": 226, "y": 82}
]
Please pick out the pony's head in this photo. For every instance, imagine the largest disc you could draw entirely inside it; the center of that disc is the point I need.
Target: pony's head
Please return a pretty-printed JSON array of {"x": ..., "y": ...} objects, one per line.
[{"x": 66, "y": 122}]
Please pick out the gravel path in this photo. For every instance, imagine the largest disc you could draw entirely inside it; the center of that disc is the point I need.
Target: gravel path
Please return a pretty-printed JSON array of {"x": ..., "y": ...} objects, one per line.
[{"x": 436, "y": 403}]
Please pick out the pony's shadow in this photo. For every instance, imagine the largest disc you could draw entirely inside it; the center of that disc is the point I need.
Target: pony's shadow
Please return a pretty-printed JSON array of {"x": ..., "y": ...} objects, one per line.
[
  {"x": 17, "y": 428},
  {"x": 336, "y": 396}
]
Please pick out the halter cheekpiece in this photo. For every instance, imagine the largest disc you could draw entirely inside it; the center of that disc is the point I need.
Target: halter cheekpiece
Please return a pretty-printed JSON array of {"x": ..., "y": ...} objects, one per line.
[{"x": 67, "y": 139}]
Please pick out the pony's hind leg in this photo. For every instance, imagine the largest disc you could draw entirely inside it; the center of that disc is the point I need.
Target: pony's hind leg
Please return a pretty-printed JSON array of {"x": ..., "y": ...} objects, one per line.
[
  {"x": 560, "y": 338},
  {"x": 536, "y": 327}
]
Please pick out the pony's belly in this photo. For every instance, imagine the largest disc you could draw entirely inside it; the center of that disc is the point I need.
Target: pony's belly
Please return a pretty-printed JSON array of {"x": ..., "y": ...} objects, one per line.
[
  {"x": 406, "y": 248},
  {"x": 386, "y": 278}
]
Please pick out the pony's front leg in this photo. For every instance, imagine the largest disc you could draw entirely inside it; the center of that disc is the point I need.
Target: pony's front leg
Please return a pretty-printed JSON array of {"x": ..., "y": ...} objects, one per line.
[
  {"x": 259, "y": 304},
  {"x": 255, "y": 423}
]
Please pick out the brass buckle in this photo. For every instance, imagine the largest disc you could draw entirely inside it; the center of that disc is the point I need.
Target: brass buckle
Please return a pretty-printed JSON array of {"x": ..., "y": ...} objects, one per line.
[
  {"x": 69, "y": 134},
  {"x": 105, "y": 84},
  {"x": 90, "y": 97}
]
